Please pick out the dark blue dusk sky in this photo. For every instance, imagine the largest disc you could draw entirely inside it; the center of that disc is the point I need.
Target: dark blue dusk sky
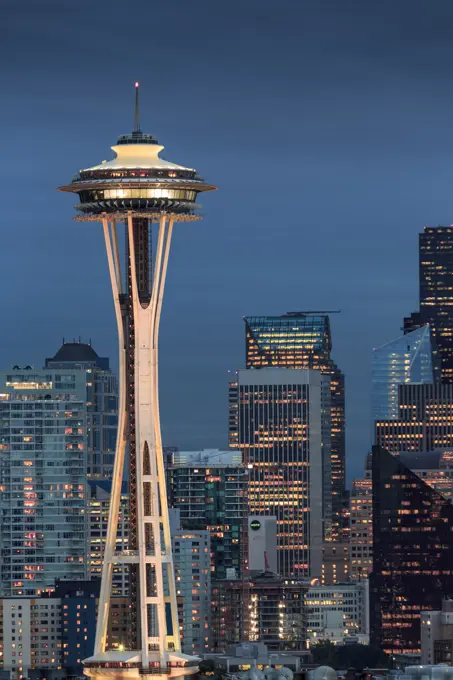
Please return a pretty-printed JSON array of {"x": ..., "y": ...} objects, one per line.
[{"x": 327, "y": 126}]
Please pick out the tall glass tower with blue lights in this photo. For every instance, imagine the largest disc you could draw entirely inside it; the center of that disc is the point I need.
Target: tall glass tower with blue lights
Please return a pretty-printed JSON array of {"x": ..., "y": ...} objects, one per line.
[{"x": 408, "y": 359}]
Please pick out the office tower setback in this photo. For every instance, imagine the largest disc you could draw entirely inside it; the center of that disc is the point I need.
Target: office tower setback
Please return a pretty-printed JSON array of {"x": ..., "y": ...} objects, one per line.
[
  {"x": 436, "y": 293},
  {"x": 99, "y": 493},
  {"x": 409, "y": 359},
  {"x": 276, "y": 419},
  {"x": 412, "y": 552},
  {"x": 425, "y": 422},
  {"x": 209, "y": 488},
  {"x": 138, "y": 189},
  {"x": 303, "y": 340}
]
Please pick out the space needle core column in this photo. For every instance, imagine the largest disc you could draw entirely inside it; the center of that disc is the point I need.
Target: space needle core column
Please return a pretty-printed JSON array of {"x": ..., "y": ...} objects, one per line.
[{"x": 139, "y": 189}]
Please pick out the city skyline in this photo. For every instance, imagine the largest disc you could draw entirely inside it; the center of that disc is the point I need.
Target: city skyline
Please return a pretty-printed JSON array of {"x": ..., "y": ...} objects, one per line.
[{"x": 337, "y": 104}]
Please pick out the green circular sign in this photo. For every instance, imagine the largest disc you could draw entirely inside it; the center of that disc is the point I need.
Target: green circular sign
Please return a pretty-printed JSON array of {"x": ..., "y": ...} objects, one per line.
[{"x": 255, "y": 525}]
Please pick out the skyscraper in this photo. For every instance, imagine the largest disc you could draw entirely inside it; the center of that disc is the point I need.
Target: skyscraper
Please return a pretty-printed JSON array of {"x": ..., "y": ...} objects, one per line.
[
  {"x": 47, "y": 418},
  {"x": 101, "y": 402},
  {"x": 436, "y": 293},
  {"x": 138, "y": 188},
  {"x": 412, "y": 551},
  {"x": 209, "y": 488},
  {"x": 276, "y": 420},
  {"x": 409, "y": 359},
  {"x": 304, "y": 340},
  {"x": 425, "y": 421}
]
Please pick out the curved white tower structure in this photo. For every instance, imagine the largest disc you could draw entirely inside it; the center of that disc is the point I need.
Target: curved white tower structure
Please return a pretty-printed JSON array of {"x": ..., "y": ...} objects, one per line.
[{"x": 139, "y": 189}]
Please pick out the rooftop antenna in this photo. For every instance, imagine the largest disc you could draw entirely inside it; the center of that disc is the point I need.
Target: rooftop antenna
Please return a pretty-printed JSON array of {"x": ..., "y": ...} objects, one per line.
[{"x": 137, "y": 109}]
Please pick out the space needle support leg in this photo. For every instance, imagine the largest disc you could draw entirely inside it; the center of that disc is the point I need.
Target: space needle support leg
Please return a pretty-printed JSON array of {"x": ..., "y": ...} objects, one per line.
[
  {"x": 157, "y": 291},
  {"x": 158, "y": 439},
  {"x": 111, "y": 244}
]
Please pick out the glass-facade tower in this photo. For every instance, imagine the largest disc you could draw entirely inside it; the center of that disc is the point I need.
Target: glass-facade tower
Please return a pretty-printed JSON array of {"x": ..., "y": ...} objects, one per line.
[
  {"x": 46, "y": 446},
  {"x": 436, "y": 293},
  {"x": 407, "y": 359},
  {"x": 210, "y": 491},
  {"x": 412, "y": 550},
  {"x": 304, "y": 340}
]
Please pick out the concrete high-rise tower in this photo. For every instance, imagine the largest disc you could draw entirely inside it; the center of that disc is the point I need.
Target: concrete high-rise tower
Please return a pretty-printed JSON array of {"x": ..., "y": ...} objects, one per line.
[{"x": 139, "y": 189}]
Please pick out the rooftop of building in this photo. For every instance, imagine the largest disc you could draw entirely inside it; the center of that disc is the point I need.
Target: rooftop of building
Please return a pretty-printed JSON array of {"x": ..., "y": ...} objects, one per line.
[
  {"x": 207, "y": 457},
  {"x": 77, "y": 352},
  {"x": 427, "y": 460}
]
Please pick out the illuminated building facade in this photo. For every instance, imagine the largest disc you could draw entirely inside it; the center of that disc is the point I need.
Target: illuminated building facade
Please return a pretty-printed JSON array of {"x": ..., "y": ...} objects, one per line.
[
  {"x": 436, "y": 293},
  {"x": 338, "y": 613},
  {"x": 425, "y": 422},
  {"x": 276, "y": 420},
  {"x": 304, "y": 340},
  {"x": 209, "y": 488},
  {"x": 412, "y": 552},
  {"x": 52, "y": 635},
  {"x": 229, "y": 613},
  {"x": 101, "y": 402},
  {"x": 43, "y": 468},
  {"x": 138, "y": 189},
  {"x": 193, "y": 588},
  {"x": 361, "y": 525},
  {"x": 276, "y": 612},
  {"x": 336, "y": 562},
  {"x": 409, "y": 359},
  {"x": 99, "y": 492}
]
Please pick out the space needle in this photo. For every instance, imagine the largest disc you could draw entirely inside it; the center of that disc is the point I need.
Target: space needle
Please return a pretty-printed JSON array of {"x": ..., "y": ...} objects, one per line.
[{"x": 147, "y": 195}]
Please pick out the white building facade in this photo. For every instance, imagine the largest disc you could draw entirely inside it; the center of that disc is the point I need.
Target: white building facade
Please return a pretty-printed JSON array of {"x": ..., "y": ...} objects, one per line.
[
  {"x": 338, "y": 613},
  {"x": 278, "y": 419}
]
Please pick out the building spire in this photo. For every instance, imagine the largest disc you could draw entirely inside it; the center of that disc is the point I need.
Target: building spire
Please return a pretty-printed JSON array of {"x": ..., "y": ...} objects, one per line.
[{"x": 137, "y": 109}]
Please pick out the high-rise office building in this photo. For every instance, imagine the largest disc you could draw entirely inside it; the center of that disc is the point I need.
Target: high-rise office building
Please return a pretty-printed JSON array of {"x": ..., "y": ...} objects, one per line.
[
  {"x": 436, "y": 294},
  {"x": 425, "y": 422},
  {"x": 54, "y": 424},
  {"x": 412, "y": 552},
  {"x": 209, "y": 488},
  {"x": 409, "y": 359},
  {"x": 276, "y": 420},
  {"x": 304, "y": 340}
]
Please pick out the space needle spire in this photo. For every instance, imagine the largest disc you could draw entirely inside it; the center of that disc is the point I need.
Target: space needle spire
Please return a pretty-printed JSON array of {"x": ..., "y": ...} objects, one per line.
[
  {"x": 137, "y": 108},
  {"x": 145, "y": 193}
]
